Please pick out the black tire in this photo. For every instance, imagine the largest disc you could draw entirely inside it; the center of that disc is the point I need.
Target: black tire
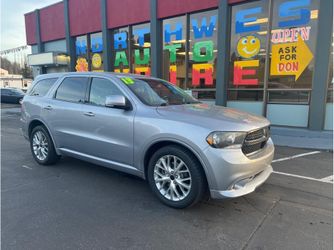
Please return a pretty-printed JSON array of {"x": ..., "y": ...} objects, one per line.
[
  {"x": 52, "y": 156},
  {"x": 198, "y": 181}
]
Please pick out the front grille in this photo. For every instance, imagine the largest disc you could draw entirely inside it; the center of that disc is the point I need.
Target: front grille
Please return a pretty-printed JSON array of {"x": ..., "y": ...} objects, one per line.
[{"x": 255, "y": 140}]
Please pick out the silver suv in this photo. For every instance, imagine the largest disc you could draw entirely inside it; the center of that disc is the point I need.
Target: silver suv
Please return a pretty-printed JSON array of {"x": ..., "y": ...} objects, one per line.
[{"x": 148, "y": 127}]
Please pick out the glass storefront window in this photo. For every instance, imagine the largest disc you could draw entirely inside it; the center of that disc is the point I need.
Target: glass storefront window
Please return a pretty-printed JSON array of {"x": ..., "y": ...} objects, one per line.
[
  {"x": 141, "y": 49},
  {"x": 292, "y": 96},
  {"x": 81, "y": 54},
  {"x": 174, "y": 50},
  {"x": 249, "y": 27},
  {"x": 293, "y": 41},
  {"x": 203, "y": 54},
  {"x": 244, "y": 95},
  {"x": 96, "y": 52},
  {"x": 120, "y": 59}
]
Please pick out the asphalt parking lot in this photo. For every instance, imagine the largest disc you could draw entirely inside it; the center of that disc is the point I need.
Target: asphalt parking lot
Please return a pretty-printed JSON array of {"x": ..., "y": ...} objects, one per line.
[{"x": 77, "y": 205}]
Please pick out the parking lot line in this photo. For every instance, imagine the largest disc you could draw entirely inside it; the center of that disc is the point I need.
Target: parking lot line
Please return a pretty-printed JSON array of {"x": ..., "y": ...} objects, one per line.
[
  {"x": 296, "y": 156},
  {"x": 328, "y": 178},
  {"x": 324, "y": 180},
  {"x": 24, "y": 166}
]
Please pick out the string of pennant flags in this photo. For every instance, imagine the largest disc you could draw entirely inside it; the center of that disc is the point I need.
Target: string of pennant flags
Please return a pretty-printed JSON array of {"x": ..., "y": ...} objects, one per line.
[{"x": 13, "y": 50}]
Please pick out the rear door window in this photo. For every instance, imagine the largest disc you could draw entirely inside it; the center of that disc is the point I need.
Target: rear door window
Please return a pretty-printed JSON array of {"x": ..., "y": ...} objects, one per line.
[
  {"x": 72, "y": 89},
  {"x": 42, "y": 87}
]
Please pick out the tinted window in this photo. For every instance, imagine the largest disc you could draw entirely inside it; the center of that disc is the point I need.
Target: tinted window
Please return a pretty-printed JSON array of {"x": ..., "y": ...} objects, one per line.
[
  {"x": 100, "y": 89},
  {"x": 42, "y": 87},
  {"x": 72, "y": 89},
  {"x": 5, "y": 91}
]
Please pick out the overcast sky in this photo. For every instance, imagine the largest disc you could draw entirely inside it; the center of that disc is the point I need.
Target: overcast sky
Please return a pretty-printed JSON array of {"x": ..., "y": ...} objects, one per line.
[{"x": 12, "y": 20}]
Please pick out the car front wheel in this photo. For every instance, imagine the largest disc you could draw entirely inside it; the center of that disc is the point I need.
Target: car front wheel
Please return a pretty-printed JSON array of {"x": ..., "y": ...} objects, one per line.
[{"x": 176, "y": 177}]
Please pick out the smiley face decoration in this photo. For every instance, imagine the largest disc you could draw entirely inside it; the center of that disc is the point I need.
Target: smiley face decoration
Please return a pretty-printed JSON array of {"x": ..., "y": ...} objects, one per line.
[{"x": 248, "y": 46}]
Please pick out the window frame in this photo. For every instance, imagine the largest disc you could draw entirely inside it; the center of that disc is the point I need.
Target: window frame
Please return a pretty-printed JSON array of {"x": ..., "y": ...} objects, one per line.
[{"x": 62, "y": 81}]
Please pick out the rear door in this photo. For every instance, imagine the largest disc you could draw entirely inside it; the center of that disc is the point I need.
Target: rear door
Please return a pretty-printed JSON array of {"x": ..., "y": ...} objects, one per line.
[{"x": 64, "y": 113}]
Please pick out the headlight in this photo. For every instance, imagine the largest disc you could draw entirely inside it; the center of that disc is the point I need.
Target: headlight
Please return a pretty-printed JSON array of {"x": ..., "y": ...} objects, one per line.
[{"x": 226, "y": 139}]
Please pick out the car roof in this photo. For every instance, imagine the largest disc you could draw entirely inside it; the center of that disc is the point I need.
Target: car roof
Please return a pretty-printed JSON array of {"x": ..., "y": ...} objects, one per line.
[{"x": 106, "y": 74}]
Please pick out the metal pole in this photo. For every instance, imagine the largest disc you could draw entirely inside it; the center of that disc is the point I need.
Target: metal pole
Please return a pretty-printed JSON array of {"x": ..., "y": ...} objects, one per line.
[
  {"x": 156, "y": 41},
  {"x": 70, "y": 42},
  {"x": 223, "y": 53},
  {"x": 40, "y": 45},
  {"x": 106, "y": 37},
  {"x": 266, "y": 66},
  {"x": 321, "y": 66}
]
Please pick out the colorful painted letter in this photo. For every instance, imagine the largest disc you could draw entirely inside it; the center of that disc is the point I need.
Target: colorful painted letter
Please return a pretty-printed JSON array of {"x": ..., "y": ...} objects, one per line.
[
  {"x": 121, "y": 58},
  {"x": 146, "y": 56},
  {"x": 122, "y": 70},
  {"x": 172, "y": 74},
  {"x": 120, "y": 40},
  {"x": 241, "y": 19},
  {"x": 198, "y": 57},
  {"x": 172, "y": 51},
  {"x": 177, "y": 32},
  {"x": 96, "y": 44},
  {"x": 239, "y": 72},
  {"x": 143, "y": 71},
  {"x": 81, "y": 47},
  {"x": 206, "y": 75},
  {"x": 204, "y": 30},
  {"x": 293, "y": 9},
  {"x": 141, "y": 35}
]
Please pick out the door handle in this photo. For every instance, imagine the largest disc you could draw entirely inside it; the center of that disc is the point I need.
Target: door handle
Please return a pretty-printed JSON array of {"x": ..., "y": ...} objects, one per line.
[
  {"x": 89, "y": 114},
  {"x": 48, "y": 107}
]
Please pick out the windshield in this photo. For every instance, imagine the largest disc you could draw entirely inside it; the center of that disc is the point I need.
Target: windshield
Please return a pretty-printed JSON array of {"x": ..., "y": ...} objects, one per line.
[{"x": 155, "y": 92}]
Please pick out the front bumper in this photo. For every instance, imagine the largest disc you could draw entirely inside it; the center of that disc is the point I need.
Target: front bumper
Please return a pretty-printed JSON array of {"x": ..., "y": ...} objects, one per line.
[
  {"x": 244, "y": 186},
  {"x": 232, "y": 174}
]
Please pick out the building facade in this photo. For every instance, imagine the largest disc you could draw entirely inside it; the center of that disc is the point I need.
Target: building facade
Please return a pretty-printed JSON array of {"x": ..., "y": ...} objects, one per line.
[
  {"x": 13, "y": 81},
  {"x": 268, "y": 57}
]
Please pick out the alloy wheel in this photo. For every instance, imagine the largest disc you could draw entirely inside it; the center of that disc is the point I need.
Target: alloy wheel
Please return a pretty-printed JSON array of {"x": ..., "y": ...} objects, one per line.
[
  {"x": 172, "y": 177},
  {"x": 40, "y": 145}
]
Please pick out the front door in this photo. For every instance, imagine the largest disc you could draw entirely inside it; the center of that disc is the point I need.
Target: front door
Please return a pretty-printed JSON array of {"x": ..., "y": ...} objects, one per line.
[{"x": 108, "y": 131}]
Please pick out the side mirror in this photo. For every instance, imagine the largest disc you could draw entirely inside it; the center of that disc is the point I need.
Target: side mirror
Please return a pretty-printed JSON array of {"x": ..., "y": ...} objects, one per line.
[{"x": 118, "y": 101}]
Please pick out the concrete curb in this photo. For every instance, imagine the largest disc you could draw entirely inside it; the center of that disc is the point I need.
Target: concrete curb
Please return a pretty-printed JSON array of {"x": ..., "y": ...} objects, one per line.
[{"x": 302, "y": 138}]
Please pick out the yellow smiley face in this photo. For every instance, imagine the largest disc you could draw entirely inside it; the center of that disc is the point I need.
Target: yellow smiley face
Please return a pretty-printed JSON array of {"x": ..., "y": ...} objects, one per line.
[
  {"x": 96, "y": 61},
  {"x": 248, "y": 46}
]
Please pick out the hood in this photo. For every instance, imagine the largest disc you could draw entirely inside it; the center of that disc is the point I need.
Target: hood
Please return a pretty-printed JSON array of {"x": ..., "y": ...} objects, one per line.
[{"x": 216, "y": 118}]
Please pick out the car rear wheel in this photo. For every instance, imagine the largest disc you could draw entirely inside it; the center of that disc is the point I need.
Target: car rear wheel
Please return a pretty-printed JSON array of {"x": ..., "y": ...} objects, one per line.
[
  {"x": 176, "y": 177},
  {"x": 42, "y": 147}
]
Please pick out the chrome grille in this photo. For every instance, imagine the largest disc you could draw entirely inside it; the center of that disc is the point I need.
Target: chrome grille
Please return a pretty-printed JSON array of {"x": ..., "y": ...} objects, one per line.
[{"x": 255, "y": 140}]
